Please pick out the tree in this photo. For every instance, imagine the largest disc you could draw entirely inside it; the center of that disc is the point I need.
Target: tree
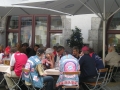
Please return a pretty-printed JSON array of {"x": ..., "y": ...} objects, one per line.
[{"x": 76, "y": 38}]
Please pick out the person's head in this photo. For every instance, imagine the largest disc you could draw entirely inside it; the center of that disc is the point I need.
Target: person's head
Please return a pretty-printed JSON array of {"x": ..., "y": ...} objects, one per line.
[
  {"x": 91, "y": 50},
  {"x": 49, "y": 51},
  {"x": 18, "y": 45},
  {"x": 85, "y": 50},
  {"x": 60, "y": 50},
  {"x": 55, "y": 48},
  {"x": 36, "y": 47},
  {"x": 7, "y": 50},
  {"x": 25, "y": 45},
  {"x": 75, "y": 51},
  {"x": 13, "y": 50},
  {"x": 1, "y": 48},
  {"x": 40, "y": 53},
  {"x": 111, "y": 49}
]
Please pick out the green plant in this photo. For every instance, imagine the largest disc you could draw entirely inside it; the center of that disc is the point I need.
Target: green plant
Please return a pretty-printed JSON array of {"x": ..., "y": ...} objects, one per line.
[{"x": 76, "y": 38}]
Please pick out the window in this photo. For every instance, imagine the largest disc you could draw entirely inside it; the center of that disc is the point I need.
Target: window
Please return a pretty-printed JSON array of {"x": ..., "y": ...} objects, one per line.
[
  {"x": 41, "y": 31},
  {"x": 13, "y": 22},
  {"x": 115, "y": 23},
  {"x": 114, "y": 40},
  {"x": 26, "y": 30},
  {"x": 56, "y": 23},
  {"x": 34, "y": 29},
  {"x": 12, "y": 39},
  {"x": 56, "y": 39}
]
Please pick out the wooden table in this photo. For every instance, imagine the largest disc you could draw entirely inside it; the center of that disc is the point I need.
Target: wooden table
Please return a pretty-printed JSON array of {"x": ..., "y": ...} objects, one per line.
[
  {"x": 5, "y": 68},
  {"x": 52, "y": 72}
]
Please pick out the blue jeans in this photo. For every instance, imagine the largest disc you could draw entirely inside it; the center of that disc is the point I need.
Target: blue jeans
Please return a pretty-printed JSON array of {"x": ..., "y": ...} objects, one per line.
[{"x": 49, "y": 80}]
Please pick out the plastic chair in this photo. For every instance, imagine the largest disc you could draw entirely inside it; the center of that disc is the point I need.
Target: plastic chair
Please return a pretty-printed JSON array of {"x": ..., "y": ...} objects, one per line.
[
  {"x": 71, "y": 73},
  {"x": 99, "y": 80}
]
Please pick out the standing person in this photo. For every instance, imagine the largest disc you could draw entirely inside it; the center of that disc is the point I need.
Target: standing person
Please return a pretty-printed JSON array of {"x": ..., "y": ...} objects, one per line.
[
  {"x": 59, "y": 54},
  {"x": 6, "y": 55},
  {"x": 87, "y": 66},
  {"x": 34, "y": 64},
  {"x": 75, "y": 52},
  {"x": 33, "y": 51},
  {"x": 18, "y": 60}
]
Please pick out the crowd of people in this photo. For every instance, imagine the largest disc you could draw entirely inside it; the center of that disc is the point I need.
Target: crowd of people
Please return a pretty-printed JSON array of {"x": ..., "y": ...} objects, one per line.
[{"x": 39, "y": 59}]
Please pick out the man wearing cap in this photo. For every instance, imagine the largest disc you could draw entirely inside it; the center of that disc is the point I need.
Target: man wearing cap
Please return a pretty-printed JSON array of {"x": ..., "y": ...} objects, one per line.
[
  {"x": 5, "y": 55},
  {"x": 34, "y": 64},
  {"x": 17, "y": 61},
  {"x": 87, "y": 66}
]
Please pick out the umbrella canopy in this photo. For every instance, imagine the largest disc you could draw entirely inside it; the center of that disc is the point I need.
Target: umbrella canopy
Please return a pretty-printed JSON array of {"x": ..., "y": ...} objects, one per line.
[
  {"x": 103, "y": 8},
  {"x": 7, "y": 8}
]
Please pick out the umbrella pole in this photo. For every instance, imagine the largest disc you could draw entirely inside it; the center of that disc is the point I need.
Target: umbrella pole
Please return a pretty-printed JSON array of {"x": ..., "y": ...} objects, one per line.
[
  {"x": 104, "y": 30},
  {"x": 6, "y": 14}
]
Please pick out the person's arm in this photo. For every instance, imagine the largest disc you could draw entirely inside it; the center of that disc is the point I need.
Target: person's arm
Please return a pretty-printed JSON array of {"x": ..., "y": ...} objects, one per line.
[
  {"x": 108, "y": 57},
  {"x": 40, "y": 70},
  {"x": 1, "y": 54},
  {"x": 12, "y": 62}
]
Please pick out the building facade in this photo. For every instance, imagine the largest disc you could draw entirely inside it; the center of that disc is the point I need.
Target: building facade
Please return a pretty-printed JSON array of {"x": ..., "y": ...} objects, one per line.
[{"x": 45, "y": 30}]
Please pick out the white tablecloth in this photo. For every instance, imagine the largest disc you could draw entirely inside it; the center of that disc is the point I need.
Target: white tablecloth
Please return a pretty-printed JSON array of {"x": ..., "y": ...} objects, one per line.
[
  {"x": 5, "y": 68},
  {"x": 52, "y": 72}
]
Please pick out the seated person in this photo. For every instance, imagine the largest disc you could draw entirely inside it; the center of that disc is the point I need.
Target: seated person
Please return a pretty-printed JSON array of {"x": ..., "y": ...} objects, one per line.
[
  {"x": 18, "y": 60},
  {"x": 59, "y": 54},
  {"x": 33, "y": 51},
  {"x": 48, "y": 62},
  {"x": 6, "y": 55},
  {"x": 68, "y": 63},
  {"x": 75, "y": 52},
  {"x": 38, "y": 76},
  {"x": 112, "y": 57},
  {"x": 87, "y": 67},
  {"x": 98, "y": 60}
]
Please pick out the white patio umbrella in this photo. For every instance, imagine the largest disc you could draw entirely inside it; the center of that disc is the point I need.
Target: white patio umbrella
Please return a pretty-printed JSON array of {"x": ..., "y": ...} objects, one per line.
[
  {"x": 103, "y": 8},
  {"x": 7, "y": 8}
]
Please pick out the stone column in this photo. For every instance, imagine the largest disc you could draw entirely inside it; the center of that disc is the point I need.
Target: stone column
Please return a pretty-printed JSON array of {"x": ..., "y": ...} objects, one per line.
[
  {"x": 3, "y": 35},
  {"x": 94, "y": 33}
]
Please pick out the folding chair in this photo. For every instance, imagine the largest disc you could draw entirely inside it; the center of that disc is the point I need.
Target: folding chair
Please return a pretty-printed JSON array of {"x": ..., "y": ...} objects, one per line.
[
  {"x": 108, "y": 78},
  {"x": 73, "y": 86},
  {"x": 16, "y": 83},
  {"x": 30, "y": 86},
  {"x": 99, "y": 80},
  {"x": 116, "y": 72}
]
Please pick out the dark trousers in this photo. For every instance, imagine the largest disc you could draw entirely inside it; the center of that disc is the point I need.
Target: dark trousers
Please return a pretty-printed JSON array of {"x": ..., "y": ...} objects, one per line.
[{"x": 49, "y": 80}]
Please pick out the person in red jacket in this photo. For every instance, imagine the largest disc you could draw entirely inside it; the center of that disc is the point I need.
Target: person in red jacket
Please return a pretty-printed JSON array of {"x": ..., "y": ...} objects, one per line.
[{"x": 18, "y": 60}]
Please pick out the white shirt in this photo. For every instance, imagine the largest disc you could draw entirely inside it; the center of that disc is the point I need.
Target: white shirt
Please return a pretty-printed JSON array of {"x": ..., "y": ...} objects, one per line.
[
  {"x": 1, "y": 56},
  {"x": 57, "y": 61},
  {"x": 12, "y": 60}
]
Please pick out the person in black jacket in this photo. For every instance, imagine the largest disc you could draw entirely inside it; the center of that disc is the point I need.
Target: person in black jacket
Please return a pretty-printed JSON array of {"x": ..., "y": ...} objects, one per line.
[
  {"x": 33, "y": 51},
  {"x": 87, "y": 67}
]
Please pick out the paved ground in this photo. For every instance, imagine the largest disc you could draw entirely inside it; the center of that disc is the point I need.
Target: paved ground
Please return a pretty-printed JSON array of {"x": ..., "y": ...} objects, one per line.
[{"x": 110, "y": 86}]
